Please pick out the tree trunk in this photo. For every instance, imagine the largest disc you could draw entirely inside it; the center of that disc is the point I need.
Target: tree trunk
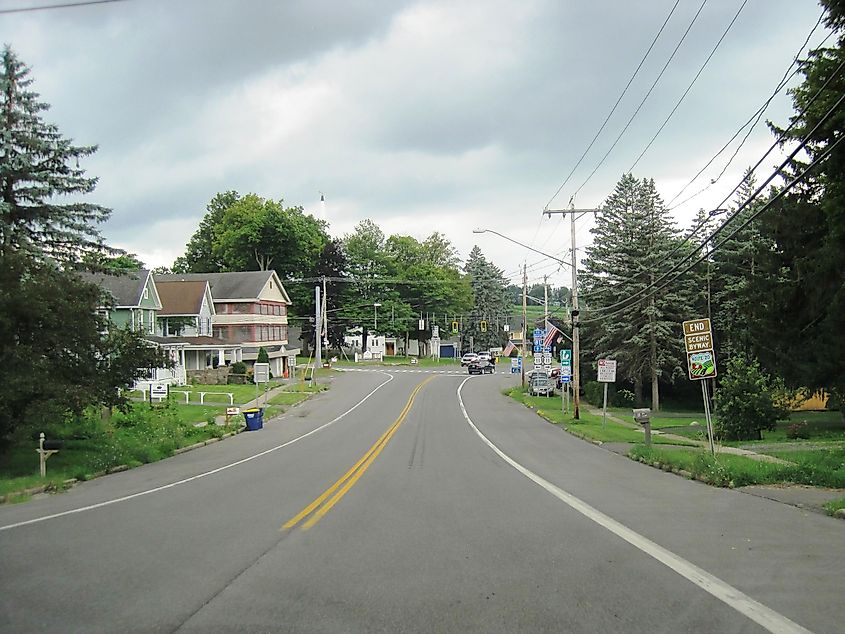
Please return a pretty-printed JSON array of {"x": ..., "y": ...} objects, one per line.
[
  {"x": 638, "y": 391},
  {"x": 655, "y": 388},
  {"x": 363, "y": 340}
]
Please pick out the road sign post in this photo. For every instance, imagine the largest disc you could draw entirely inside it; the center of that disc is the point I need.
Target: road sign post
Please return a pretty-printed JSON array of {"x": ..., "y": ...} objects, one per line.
[
  {"x": 606, "y": 374},
  {"x": 701, "y": 364}
]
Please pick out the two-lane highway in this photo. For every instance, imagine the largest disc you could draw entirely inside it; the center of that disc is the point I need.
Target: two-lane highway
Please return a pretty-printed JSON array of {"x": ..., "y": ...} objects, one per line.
[{"x": 413, "y": 502}]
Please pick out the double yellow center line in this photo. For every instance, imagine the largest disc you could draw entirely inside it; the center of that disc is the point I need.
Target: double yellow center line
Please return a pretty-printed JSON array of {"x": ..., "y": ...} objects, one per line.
[{"x": 331, "y": 496}]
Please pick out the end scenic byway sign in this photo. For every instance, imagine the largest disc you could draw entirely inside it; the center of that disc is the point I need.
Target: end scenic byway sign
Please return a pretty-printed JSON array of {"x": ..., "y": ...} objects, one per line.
[{"x": 698, "y": 340}]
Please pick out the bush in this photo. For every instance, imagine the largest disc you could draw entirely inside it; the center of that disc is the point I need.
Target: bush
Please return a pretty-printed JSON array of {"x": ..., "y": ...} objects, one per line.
[
  {"x": 594, "y": 393},
  {"x": 798, "y": 429},
  {"x": 238, "y": 367},
  {"x": 747, "y": 401}
]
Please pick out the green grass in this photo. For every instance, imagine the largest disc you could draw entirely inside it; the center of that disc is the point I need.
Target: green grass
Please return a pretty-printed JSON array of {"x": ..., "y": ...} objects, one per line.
[
  {"x": 588, "y": 425},
  {"x": 93, "y": 446},
  {"x": 835, "y": 505},
  {"x": 813, "y": 469}
]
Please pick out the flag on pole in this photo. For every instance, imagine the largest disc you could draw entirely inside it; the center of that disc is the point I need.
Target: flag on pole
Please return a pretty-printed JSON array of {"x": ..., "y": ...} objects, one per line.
[
  {"x": 551, "y": 335},
  {"x": 508, "y": 349}
]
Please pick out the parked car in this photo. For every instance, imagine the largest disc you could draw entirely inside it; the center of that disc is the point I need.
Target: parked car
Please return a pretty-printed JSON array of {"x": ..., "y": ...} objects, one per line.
[
  {"x": 468, "y": 358},
  {"x": 480, "y": 366},
  {"x": 541, "y": 384}
]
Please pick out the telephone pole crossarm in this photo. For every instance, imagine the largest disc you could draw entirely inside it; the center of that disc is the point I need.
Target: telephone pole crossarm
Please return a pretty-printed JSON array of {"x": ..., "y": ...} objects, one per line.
[{"x": 576, "y": 340}]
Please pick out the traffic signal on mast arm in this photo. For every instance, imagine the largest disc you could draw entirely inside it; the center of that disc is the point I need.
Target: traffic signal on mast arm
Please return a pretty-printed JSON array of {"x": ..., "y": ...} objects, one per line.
[{"x": 483, "y": 326}]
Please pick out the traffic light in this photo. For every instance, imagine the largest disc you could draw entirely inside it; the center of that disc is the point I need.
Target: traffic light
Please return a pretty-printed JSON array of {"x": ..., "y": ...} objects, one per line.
[
  {"x": 455, "y": 327},
  {"x": 483, "y": 326}
]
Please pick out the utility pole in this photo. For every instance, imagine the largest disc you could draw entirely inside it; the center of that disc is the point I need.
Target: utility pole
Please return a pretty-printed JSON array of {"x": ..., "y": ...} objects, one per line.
[
  {"x": 546, "y": 301},
  {"x": 324, "y": 327},
  {"x": 576, "y": 348},
  {"x": 318, "y": 357},
  {"x": 524, "y": 318}
]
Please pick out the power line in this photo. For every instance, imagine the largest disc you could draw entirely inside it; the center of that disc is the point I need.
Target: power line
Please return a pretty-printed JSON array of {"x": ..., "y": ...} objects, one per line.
[
  {"x": 647, "y": 95},
  {"x": 618, "y": 101},
  {"x": 654, "y": 289},
  {"x": 64, "y": 5},
  {"x": 691, "y": 84},
  {"x": 780, "y": 194},
  {"x": 777, "y": 143},
  {"x": 755, "y": 118}
]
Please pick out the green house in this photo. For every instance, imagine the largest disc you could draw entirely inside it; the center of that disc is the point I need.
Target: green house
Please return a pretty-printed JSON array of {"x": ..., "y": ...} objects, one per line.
[{"x": 135, "y": 299}]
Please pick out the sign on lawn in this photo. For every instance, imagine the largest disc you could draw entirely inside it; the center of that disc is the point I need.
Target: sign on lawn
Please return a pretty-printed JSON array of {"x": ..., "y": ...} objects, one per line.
[
  {"x": 607, "y": 371},
  {"x": 261, "y": 372},
  {"x": 698, "y": 341}
]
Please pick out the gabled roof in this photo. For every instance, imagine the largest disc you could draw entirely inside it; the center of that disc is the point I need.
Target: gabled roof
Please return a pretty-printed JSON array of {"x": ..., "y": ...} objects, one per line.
[
  {"x": 182, "y": 297},
  {"x": 235, "y": 285},
  {"x": 127, "y": 290}
]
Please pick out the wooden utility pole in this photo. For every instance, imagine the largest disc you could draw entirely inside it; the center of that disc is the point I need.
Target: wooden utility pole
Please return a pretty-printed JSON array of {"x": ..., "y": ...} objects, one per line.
[
  {"x": 576, "y": 348},
  {"x": 524, "y": 318}
]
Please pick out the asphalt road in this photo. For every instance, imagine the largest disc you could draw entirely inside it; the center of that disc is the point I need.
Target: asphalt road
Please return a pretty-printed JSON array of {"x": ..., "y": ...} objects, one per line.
[{"x": 466, "y": 512}]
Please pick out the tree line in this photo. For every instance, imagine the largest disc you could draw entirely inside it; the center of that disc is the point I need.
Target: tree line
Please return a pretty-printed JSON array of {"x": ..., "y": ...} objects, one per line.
[{"x": 772, "y": 280}]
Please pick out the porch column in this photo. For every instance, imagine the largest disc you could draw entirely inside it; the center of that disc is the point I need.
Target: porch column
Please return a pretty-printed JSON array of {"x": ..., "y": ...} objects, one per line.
[{"x": 221, "y": 356}]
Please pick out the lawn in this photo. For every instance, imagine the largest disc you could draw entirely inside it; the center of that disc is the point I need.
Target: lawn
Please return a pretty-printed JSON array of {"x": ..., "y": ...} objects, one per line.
[
  {"x": 588, "y": 425},
  {"x": 92, "y": 446},
  {"x": 825, "y": 468}
]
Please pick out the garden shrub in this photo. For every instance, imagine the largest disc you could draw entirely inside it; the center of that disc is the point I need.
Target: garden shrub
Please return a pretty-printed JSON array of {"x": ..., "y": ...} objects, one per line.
[
  {"x": 747, "y": 401},
  {"x": 798, "y": 429}
]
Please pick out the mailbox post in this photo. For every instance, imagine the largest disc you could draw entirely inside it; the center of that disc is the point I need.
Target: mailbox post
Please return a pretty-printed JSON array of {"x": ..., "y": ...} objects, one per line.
[
  {"x": 643, "y": 417},
  {"x": 46, "y": 448}
]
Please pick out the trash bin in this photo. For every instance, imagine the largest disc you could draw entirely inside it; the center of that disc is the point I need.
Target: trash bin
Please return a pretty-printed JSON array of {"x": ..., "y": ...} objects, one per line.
[{"x": 254, "y": 418}]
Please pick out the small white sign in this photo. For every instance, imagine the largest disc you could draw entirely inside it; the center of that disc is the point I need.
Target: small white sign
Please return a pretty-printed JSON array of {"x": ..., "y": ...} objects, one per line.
[
  {"x": 607, "y": 371},
  {"x": 233, "y": 411},
  {"x": 547, "y": 358},
  {"x": 158, "y": 391},
  {"x": 261, "y": 372},
  {"x": 435, "y": 332}
]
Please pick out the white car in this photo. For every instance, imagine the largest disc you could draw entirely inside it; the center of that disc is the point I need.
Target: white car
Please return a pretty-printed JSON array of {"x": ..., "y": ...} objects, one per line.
[
  {"x": 468, "y": 358},
  {"x": 485, "y": 356}
]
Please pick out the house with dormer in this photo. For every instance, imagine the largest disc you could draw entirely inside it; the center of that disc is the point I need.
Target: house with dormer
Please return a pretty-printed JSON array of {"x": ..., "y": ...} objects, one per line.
[
  {"x": 186, "y": 318},
  {"x": 250, "y": 309}
]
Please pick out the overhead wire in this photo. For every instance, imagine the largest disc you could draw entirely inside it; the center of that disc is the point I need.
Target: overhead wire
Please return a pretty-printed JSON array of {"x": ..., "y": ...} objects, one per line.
[
  {"x": 790, "y": 72},
  {"x": 644, "y": 99},
  {"x": 653, "y": 288},
  {"x": 689, "y": 87},
  {"x": 63, "y": 5},
  {"x": 779, "y": 170},
  {"x": 615, "y": 105}
]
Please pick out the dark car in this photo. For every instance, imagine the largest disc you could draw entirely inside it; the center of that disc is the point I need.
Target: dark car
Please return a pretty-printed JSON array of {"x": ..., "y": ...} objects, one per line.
[{"x": 481, "y": 367}]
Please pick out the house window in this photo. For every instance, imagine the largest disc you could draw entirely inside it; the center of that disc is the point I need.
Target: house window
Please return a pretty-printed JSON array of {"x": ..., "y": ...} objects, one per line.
[{"x": 146, "y": 292}]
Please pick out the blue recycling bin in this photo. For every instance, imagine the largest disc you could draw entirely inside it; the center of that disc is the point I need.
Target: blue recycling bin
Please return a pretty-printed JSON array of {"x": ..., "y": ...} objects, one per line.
[{"x": 254, "y": 418}]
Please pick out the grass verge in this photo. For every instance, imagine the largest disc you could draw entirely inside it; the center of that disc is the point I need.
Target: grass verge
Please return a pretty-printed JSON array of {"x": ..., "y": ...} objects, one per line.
[
  {"x": 811, "y": 468},
  {"x": 835, "y": 505},
  {"x": 588, "y": 426}
]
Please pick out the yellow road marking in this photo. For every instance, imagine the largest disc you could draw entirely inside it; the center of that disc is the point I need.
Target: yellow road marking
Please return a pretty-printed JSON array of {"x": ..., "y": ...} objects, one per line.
[{"x": 336, "y": 491}]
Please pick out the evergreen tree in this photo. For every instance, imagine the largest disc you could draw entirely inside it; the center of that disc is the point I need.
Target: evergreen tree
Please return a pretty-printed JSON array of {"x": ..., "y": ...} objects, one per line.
[
  {"x": 633, "y": 235},
  {"x": 490, "y": 299},
  {"x": 801, "y": 292},
  {"x": 734, "y": 274},
  {"x": 38, "y": 166}
]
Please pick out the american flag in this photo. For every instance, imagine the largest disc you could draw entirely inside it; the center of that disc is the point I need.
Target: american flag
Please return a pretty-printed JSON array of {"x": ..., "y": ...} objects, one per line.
[
  {"x": 551, "y": 335},
  {"x": 508, "y": 349}
]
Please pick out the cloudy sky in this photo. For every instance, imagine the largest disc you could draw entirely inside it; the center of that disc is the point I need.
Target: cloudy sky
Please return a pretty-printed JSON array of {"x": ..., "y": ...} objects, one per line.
[{"x": 421, "y": 115}]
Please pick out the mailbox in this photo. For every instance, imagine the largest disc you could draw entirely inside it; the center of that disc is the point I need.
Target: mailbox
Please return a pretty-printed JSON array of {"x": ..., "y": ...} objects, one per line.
[
  {"x": 642, "y": 416},
  {"x": 53, "y": 445}
]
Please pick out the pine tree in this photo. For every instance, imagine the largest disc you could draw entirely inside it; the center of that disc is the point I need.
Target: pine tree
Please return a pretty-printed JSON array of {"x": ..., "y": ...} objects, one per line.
[
  {"x": 490, "y": 298},
  {"x": 37, "y": 167},
  {"x": 633, "y": 236}
]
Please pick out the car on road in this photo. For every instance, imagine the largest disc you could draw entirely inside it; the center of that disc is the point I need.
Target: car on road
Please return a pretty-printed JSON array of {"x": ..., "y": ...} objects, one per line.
[
  {"x": 541, "y": 385},
  {"x": 480, "y": 366},
  {"x": 486, "y": 356},
  {"x": 468, "y": 358}
]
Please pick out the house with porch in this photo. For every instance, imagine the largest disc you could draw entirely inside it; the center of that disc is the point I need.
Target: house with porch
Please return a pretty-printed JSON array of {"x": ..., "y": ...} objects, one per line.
[
  {"x": 186, "y": 318},
  {"x": 135, "y": 304},
  {"x": 250, "y": 309}
]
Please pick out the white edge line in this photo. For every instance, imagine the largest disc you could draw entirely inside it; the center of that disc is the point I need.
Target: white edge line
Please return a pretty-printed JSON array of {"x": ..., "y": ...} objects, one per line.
[
  {"x": 199, "y": 475},
  {"x": 741, "y": 602}
]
